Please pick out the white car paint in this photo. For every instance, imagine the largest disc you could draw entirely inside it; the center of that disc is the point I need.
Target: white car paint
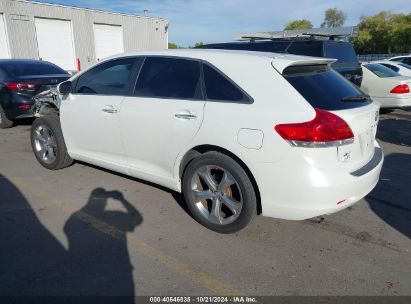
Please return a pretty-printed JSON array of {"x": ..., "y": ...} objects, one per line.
[
  {"x": 146, "y": 140},
  {"x": 379, "y": 89},
  {"x": 403, "y": 58},
  {"x": 396, "y": 66}
]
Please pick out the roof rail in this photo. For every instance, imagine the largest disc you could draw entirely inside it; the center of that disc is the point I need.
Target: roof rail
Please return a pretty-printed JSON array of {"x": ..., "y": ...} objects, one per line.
[{"x": 331, "y": 33}]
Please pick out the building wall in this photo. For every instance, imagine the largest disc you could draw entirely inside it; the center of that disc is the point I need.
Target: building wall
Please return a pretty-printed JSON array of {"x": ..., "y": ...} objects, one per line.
[{"x": 139, "y": 32}]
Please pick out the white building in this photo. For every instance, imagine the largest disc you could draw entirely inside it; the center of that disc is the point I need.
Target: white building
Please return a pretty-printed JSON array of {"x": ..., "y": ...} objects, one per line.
[{"x": 73, "y": 37}]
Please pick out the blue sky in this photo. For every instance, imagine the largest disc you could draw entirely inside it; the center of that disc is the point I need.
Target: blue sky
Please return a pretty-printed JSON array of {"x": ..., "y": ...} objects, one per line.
[{"x": 219, "y": 20}]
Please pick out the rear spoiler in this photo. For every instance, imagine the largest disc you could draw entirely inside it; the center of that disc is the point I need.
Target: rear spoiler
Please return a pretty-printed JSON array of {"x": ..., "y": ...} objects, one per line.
[{"x": 282, "y": 62}]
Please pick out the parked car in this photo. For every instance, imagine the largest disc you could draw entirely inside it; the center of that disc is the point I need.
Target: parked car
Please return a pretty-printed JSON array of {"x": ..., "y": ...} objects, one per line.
[
  {"x": 401, "y": 68},
  {"x": 386, "y": 86},
  {"x": 20, "y": 80},
  {"x": 289, "y": 138},
  {"x": 347, "y": 63},
  {"x": 404, "y": 59}
]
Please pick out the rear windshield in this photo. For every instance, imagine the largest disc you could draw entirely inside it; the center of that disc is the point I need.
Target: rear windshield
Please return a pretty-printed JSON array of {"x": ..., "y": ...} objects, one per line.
[
  {"x": 344, "y": 52},
  {"x": 31, "y": 68},
  {"x": 324, "y": 88},
  {"x": 407, "y": 66},
  {"x": 380, "y": 70}
]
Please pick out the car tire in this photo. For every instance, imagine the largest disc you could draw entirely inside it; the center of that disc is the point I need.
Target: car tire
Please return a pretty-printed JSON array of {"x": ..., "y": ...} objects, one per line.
[
  {"x": 219, "y": 193},
  {"x": 48, "y": 143},
  {"x": 4, "y": 121}
]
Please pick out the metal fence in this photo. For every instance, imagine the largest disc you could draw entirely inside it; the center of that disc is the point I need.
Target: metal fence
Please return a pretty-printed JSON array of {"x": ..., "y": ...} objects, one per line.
[{"x": 374, "y": 57}]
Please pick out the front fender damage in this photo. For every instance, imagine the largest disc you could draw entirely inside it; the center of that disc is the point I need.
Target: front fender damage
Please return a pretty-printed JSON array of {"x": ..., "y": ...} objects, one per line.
[{"x": 47, "y": 103}]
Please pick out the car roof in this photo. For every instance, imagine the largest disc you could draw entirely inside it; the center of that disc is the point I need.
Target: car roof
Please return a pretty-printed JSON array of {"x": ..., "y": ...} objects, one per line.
[
  {"x": 279, "y": 60},
  {"x": 402, "y": 56},
  {"x": 23, "y": 61},
  {"x": 385, "y": 61},
  {"x": 306, "y": 41}
]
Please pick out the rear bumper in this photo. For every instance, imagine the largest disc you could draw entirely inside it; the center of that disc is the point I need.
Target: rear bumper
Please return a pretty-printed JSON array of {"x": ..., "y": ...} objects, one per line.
[
  {"x": 18, "y": 108},
  {"x": 306, "y": 191},
  {"x": 394, "y": 102}
]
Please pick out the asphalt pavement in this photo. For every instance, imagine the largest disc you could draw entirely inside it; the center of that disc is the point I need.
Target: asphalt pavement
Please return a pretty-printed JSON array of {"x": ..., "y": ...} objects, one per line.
[{"x": 88, "y": 231}]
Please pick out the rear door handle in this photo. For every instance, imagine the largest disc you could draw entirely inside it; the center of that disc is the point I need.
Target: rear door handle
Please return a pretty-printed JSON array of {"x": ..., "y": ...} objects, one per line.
[
  {"x": 109, "y": 109},
  {"x": 186, "y": 116}
]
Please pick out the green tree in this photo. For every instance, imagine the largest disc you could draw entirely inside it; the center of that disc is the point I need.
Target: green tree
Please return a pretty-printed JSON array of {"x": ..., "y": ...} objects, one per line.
[
  {"x": 301, "y": 24},
  {"x": 198, "y": 44},
  {"x": 334, "y": 18},
  {"x": 172, "y": 46},
  {"x": 383, "y": 33}
]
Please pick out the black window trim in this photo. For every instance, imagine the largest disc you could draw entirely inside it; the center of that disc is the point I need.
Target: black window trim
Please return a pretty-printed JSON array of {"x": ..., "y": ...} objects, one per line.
[
  {"x": 248, "y": 96},
  {"x": 138, "y": 64},
  {"x": 128, "y": 87},
  {"x": 203, "y": 89}
]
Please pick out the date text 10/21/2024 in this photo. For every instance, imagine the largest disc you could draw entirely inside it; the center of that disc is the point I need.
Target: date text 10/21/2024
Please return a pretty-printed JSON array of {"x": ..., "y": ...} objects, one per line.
[{"x": 204, "y": 299}]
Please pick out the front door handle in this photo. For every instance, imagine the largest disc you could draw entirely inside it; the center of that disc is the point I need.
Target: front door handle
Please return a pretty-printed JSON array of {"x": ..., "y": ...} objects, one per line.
[
  {"x": 186, "y": 116},
  {"x": 109, "y": 109}
]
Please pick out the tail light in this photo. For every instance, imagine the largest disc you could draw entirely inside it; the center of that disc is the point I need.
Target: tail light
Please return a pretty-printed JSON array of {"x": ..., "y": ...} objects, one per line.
[
  {"x": 401, "y": 89},
  {"x": 22, "y": 86},
  {"x": 325, "y": 130}
]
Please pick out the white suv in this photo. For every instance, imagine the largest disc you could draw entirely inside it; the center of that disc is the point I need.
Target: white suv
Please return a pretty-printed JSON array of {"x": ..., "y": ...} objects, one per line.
[{"x": 238, "y": 133}]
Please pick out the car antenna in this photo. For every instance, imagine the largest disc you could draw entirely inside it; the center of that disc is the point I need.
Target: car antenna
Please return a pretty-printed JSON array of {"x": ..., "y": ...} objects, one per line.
[{"x": 289, "y": 45}]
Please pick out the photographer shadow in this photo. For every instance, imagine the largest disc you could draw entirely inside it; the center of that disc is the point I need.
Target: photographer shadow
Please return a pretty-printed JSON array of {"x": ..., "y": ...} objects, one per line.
[
  {"x": 98, "y": 246},
  {"x": 97, "y": 263}
]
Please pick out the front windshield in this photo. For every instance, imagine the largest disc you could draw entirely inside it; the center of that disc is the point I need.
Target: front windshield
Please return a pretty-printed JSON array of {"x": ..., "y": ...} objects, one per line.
[{"x": 380, "y": 70}]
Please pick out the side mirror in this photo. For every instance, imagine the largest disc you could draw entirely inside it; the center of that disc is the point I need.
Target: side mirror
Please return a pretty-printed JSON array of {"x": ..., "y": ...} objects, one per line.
[{"x": 65, "y": 88}]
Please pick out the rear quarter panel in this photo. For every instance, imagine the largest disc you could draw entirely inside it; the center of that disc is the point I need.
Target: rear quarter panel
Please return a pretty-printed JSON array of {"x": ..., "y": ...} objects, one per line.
[{"x": 275, "y": 101}]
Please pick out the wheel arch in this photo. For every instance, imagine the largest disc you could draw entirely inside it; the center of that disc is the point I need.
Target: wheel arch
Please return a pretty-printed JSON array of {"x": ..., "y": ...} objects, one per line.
[{"x": 199, "y": 150}]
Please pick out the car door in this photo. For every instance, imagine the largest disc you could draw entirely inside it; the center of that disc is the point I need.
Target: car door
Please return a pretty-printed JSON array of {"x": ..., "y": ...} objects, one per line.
[
  {"x": 162, "y": 117},
  {"x": 90, "y": 115}
]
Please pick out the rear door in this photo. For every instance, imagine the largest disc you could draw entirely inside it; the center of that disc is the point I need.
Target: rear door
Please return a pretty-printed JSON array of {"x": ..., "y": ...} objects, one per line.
[
  {"x": 90, "y": 115},
  {"x": 325, "y": 89},
  {"x": 162, "y": 117}
]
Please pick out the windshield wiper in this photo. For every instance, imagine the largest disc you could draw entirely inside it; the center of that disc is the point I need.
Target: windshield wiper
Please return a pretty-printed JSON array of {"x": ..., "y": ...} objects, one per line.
[{"x": 355, "y": 98}]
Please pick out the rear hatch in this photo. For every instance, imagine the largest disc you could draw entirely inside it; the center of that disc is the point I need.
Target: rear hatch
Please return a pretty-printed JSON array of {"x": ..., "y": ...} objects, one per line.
[{"x": 327, "y": 91}]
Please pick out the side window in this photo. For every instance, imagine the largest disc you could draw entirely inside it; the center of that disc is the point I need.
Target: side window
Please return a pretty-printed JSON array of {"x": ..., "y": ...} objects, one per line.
[
  {"x": 164, "y": 77},
  {"x": 109, "y": 78},
  {"x": 218, "y": 87}
]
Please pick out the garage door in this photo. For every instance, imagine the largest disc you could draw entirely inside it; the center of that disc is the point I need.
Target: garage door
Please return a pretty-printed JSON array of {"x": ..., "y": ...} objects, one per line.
[
  {"x": 4, "y": 47},
  {"x": 108, "y": 40},
  {"x": 55, "y": 42}
]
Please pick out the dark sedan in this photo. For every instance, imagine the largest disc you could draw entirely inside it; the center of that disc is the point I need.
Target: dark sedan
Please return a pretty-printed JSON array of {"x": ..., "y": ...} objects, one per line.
[{"x": 20, "y": 80}]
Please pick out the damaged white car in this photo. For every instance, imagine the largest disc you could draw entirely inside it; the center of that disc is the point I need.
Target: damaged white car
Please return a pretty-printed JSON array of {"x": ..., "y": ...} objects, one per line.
[{"x": 238, "y": 133}]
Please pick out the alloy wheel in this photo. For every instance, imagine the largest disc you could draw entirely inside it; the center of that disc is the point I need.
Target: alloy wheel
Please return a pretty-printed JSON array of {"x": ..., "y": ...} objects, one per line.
[
  {"x": 45, "y": 144},
  {"x": 216, "y": 194}
]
